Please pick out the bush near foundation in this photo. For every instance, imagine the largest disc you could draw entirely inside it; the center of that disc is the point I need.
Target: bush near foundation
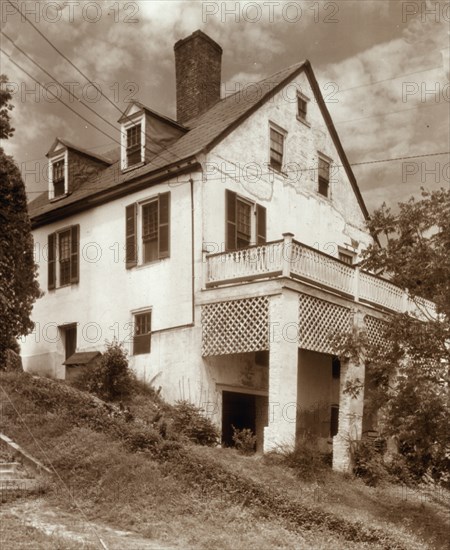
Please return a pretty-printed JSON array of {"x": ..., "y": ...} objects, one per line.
[
  {"x": 111, "y": 379},
  {"x": 244, "y": 440},
  {"x": 189, "y": 420}
]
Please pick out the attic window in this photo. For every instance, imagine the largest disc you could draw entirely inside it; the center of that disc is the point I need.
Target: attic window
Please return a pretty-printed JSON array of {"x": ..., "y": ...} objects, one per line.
[
  {"x": 134, "y": 145},
  {"x": 302, "y": 107}
]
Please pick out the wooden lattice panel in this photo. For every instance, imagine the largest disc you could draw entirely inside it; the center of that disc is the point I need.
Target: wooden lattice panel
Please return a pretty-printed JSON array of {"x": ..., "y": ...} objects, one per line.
[
  {"x": 375, "y": 329},
  {"x": 318, "y": 321},
  {"x": 237, "y": 326}
]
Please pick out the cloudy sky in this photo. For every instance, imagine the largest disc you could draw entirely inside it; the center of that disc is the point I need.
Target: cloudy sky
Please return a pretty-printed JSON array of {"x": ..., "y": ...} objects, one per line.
[{"x": 383, "y": 67}]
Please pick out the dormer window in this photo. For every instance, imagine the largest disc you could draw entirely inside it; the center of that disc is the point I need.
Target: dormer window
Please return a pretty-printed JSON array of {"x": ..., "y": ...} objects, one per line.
[
  {"x": 133, "y": 139},
  {"x": 58, "y": 179},
  {"x": 58, "y": 175},
  {"x": 134, "y": 145}
]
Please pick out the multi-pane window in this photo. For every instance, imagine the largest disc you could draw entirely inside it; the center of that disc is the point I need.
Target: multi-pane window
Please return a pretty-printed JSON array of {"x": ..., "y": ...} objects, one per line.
[
  {"x": 150, "y": 231},
  {"x": 147, "y": 224},
  {"x": 134, "y": 145},
  {"x": 142, "y": 333},
  {"x": 63, "y": 257},
  {"x": 302, "y": 107},
  {"x": 58, "y": 178},
  {"x": 244, "y": 223},
  {"x": 346, "y": 257},
  {"x": 324, "y": 177},
  {"x": 276, "y": 149}
]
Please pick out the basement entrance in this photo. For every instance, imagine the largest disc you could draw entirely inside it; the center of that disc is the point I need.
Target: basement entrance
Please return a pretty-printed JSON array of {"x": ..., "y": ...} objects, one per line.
[{"x": 238, "y": 410}]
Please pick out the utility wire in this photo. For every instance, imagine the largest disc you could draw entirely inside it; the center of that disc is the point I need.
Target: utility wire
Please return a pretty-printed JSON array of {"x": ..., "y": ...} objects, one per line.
[
  {"x": 58, "y": 98},
  {"x": 146, "y": 147},
  {"x": 377, "y": 161},
  {"x": 84, "y": 76}
]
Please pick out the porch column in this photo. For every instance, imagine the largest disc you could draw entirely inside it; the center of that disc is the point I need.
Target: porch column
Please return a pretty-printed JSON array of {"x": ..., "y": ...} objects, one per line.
[
  {"x": 350, "y": 408},
  {"x": 283, "y": 370}
]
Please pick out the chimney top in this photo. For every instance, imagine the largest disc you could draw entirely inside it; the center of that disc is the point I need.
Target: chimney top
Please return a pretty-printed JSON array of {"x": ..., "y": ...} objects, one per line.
[
  {"x": 199, "y": 34},
  {"x": 198, "y": 62}
]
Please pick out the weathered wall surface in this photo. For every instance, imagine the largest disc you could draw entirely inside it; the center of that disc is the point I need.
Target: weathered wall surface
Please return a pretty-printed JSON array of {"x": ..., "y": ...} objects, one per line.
[{"x": 292, "y": 201}]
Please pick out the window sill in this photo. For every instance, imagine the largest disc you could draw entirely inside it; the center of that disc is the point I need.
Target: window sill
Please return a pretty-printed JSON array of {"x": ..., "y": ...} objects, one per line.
[
  {"x": 278, "y": 171},
  {"x": 148, "y": 264},
  {"x": 60, "y": 197},
  {"x": 133, "y": 167},
  {"x": 304, "y": 121},
  {"x": 62, "y": 286}
]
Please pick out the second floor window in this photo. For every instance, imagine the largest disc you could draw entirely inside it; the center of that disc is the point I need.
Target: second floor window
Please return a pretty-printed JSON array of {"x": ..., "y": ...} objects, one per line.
[
  {"x": 245, "y": 222},
  {"x": 324, "y": 177},
  {"x": 134, "y": 145},
  {"x": 58, "y": 178},
  {"x": 276, "y": 149},
  {"x": 63, "y": 257},
  {"x": 148, "y": 230}
]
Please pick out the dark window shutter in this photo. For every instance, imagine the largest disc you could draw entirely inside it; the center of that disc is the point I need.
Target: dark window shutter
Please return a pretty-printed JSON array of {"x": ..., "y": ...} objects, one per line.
[
  {"x": 75, "y": 254},
  {"x": 131, "y": 236},
  {"x": 164, "y": 225},
  {"x": 260, "y": 224},
  {"x": 51, "y": 283},
  {"x": 230, "y": 227}
]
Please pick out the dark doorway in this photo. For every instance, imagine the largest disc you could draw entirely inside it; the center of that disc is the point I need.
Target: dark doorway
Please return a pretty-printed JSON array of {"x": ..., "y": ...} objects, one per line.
[
  {"x": 238, "y": 410},
  {"x": 69, "y": 333}
]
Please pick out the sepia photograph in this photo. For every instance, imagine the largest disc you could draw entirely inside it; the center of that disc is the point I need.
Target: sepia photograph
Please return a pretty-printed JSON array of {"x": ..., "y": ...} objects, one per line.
[{"x": 224, "y": 275}]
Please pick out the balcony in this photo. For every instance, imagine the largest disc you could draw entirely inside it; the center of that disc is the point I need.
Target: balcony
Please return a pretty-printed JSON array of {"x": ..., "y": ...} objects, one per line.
[{"x": 290, "y": 258}]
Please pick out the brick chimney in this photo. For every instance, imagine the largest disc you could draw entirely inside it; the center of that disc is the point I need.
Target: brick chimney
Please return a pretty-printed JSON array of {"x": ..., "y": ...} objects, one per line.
[{"x": 198, "y": 71}]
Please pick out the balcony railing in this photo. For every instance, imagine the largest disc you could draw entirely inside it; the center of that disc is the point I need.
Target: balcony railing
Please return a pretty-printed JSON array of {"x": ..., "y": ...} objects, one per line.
[{"x": 289, "y": 258}]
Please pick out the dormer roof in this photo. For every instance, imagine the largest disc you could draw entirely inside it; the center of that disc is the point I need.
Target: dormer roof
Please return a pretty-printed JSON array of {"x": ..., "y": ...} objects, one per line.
[
  {"x": 136, "y": 107},
  {"x": 60, "y": 144}
]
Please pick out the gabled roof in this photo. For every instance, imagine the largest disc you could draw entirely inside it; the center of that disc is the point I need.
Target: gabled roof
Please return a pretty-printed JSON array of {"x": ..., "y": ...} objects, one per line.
[
  {"x": 205, "y": 131},
  {"x": 69, "y": 145},
  {"x": 151, "y": 112}
]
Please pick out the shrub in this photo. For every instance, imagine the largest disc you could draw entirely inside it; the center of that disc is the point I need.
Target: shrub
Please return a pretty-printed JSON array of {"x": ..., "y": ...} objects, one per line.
[
  {"x": 189, "y": 420},
  {"x": 244, "y": 440},
  {"x": 111, "y": 379},
  {"x": 306, "y": 460},
  {"x": 368, "y": 462}
]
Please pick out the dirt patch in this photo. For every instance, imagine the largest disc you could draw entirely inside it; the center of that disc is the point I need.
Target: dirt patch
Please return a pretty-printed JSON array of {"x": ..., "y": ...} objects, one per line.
[{"x": 75, "y": 528}]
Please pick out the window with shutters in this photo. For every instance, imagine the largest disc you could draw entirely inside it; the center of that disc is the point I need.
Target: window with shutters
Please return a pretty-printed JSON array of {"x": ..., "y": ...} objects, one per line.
[
  {"x": 245, "y": 222},
  {"x": 276, "y": 148},
  {"x": 323, "y": 176},
  {"x": 148, "y": 230},
  {"x": 63, "y": 257},
  {"x": 142, "y": 333}
]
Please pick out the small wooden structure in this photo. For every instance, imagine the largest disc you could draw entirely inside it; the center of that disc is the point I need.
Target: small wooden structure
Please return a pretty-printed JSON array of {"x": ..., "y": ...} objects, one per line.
[{"x": 79, "y": 362}]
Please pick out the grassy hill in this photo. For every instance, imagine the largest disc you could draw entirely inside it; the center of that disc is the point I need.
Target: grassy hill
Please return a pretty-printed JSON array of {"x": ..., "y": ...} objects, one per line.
[{"x": 142, "y": 475}]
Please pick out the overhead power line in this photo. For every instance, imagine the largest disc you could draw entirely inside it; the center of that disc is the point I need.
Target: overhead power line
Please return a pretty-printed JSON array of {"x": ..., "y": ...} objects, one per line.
[{"x": 368, "y": 162}]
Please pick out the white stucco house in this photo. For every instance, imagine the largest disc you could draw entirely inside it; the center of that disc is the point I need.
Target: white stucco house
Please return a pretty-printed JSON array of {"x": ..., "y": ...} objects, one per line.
[{"x": 222, "y": 248}]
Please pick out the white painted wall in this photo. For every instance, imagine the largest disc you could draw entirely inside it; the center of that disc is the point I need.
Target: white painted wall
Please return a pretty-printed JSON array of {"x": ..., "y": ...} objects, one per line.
[{"x": 293, "y": 204}]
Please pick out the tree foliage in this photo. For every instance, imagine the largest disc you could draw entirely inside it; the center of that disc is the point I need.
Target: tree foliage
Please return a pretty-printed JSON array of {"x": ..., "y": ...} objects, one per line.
[
  {"x": 18, "y": 285},
  {"x": 410, "y": 373},
  {"x": 6, "y": 130}
]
